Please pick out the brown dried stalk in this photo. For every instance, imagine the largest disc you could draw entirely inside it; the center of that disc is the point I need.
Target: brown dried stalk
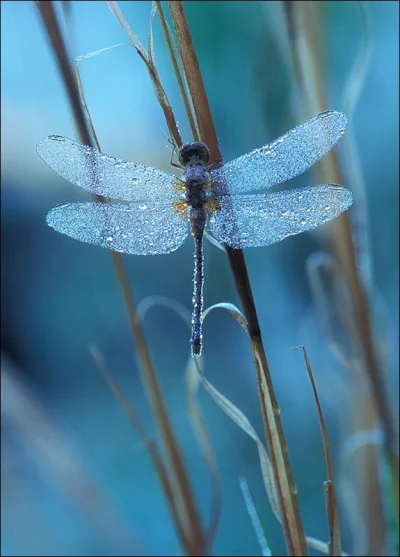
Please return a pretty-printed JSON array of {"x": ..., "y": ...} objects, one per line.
[
  {"x": 169, "y": 42},
  {"x": 147, "y": 441},
  {"x": 194, "y": 539},
  {"x": 334, "y": 544},
  {"x": 306, "y": 48},
  {"x": 293, "y": 530}
]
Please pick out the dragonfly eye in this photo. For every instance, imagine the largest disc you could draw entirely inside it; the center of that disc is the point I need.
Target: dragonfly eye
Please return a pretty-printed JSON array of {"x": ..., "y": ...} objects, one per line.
[{"x": 194, "y": 152}]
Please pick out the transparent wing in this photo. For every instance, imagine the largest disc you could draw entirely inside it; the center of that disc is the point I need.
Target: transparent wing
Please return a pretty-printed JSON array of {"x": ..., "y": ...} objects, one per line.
[
  {"x": 104, "y": 175},
  {"x": 140, "y": 229},
  {"x": 290, "y": 155},
  {"x": 245, "y": 221}
]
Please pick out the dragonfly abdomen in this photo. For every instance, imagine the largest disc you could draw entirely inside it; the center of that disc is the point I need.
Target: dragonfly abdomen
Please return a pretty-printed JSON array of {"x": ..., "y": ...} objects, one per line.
[
  {"x": 198, "y": 296},
  {"x": 197, "y": 221}
]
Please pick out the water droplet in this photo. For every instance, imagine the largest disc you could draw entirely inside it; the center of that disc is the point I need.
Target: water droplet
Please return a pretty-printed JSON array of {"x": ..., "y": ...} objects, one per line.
[
  {"x": 110, "y": 239},
  {"x": 285, "y": 213},
  {"x": 327, "y": 208},
  {"x": 134, "y": 180},
  {"x": 303, "y": 222},
  {"x": 300, "y": 197}
]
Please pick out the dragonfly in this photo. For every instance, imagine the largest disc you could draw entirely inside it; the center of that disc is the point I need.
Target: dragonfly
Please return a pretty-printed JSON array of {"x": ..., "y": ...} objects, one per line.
[{"x": 158, "y": 210}]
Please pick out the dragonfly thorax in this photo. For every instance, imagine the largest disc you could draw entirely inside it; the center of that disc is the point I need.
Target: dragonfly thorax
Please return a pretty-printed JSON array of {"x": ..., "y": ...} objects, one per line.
[{"x": 197, "y": 180}]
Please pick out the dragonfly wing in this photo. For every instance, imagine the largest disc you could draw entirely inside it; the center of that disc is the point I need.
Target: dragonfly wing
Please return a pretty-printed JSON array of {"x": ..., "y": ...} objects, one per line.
[
  {"x": 245, "y": 221},
  {"x": 140, "y": 229},
  {"x": 104, "y": 175},
  {"x": 283, "y": 159}
]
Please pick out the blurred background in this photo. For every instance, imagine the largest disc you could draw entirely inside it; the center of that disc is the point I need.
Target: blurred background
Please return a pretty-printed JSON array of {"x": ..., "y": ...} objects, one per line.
[{"x": 76, "y": 479}]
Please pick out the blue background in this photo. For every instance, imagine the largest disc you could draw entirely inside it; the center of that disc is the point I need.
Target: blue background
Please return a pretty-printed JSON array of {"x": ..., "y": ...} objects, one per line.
[{"x": 58, "y": 295}]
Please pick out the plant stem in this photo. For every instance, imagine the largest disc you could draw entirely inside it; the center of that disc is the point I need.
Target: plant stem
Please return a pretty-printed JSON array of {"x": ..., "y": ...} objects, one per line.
[{"x": 293, "y": 530}]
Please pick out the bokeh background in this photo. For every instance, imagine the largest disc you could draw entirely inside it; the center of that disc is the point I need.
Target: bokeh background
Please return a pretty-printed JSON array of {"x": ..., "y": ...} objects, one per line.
[{"x": 76, "y": 479}]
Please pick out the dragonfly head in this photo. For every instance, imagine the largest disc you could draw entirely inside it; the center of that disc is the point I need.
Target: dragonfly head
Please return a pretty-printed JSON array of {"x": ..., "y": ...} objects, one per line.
[{"x": 194, "y": 153}]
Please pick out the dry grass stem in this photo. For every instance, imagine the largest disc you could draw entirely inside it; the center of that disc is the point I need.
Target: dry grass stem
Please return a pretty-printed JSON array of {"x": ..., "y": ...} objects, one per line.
[
  {"x": 240, "y": 419},
  {"x": 305, "y": 46},
  {"x": 153, "y": 73},
  {"x": 158, "y": 463},
  {"x": 191, "y": 71},
  {"x": 286, "y": 489},
  {"x": 195, "y": 415},
  {"x": 180, "y": 80},
  {"x": 334, "y": 544},
  {"x": 189, "y": 520},
  {"x": 303, "y": 33}
]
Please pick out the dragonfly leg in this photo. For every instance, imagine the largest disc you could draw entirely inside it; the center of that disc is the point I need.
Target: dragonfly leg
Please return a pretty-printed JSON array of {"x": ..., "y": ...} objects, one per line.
[{"x": 172, "y": 154}]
